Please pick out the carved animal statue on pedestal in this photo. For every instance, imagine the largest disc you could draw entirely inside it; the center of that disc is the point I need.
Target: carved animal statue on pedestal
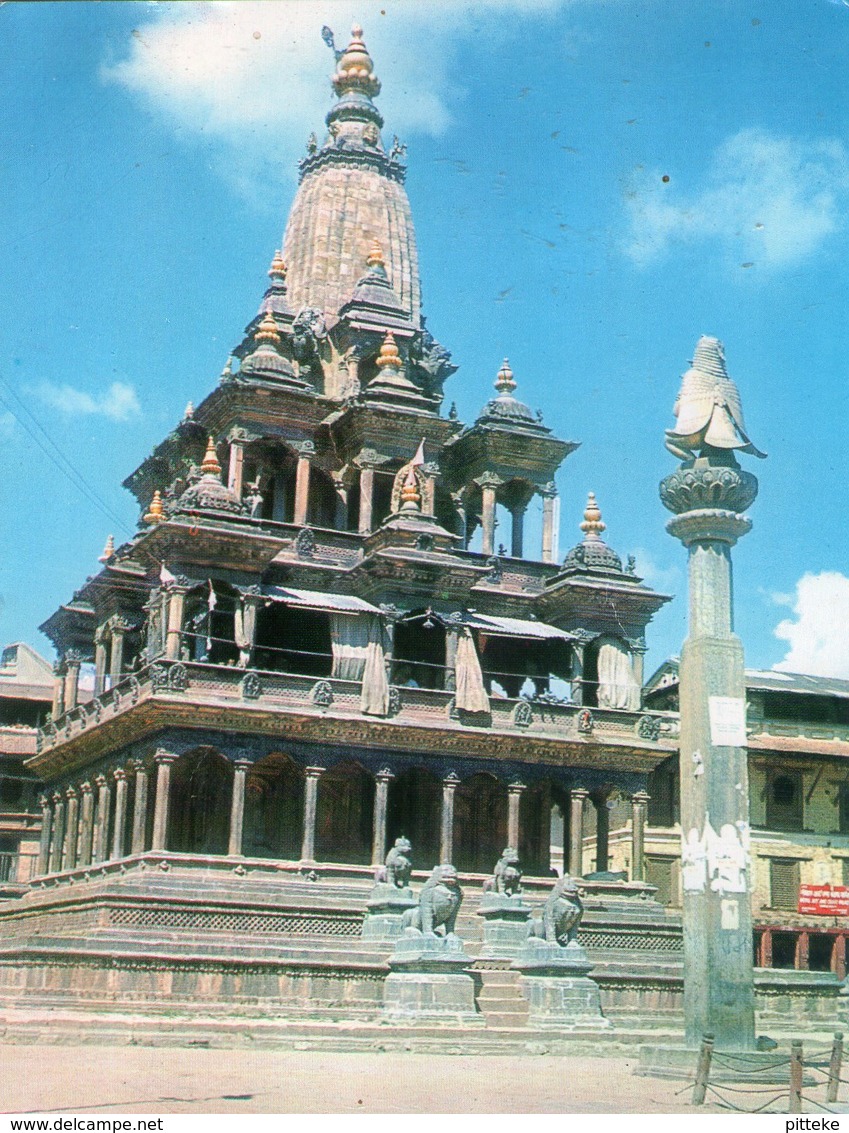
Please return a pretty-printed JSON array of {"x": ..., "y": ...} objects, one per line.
[
  {"x": 398, "y": 867},
  {"x": 507, "y": 876},
  {"x": 439, "y": 903},
  {"x": 561, "y": 914}
]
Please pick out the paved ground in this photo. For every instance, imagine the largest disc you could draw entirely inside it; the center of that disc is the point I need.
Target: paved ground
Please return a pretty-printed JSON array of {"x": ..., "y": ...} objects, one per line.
[{"x": 145, "y": 1080}]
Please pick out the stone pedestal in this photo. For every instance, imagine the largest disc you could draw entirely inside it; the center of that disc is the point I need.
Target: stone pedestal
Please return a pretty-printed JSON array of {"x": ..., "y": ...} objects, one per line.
[
  {"x": 505, "y": 925},
  {"x": 556, "y": 985},
  {"x": 429, "y": 982},
  {"x": 385, "y": 910}
]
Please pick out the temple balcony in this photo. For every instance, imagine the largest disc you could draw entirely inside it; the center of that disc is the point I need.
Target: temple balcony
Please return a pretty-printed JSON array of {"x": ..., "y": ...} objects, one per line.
[{"x": 169, "y": 694}]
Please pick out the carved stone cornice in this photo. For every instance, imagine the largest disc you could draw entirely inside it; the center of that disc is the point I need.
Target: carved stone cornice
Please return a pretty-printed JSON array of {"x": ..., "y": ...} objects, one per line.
[
  {"x": 369, "y": 458},
  {"x": 709, "y": 525},
  {"x": 705, "y": 486}
]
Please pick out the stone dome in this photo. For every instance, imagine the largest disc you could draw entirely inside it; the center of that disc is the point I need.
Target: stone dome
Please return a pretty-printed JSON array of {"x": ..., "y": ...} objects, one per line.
[
  {"x": 592, "y": 553},
  {"x": 209, "y": 494}
]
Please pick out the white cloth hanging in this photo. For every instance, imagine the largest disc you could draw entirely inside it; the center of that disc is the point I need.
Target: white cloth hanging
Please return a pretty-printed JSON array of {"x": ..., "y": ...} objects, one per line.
[
  {"x": 470, "y": 693},
  {"x": 374, "y": 699},
  {"x": 349, "y": 638},
  {"x": 617, "y": 686}
]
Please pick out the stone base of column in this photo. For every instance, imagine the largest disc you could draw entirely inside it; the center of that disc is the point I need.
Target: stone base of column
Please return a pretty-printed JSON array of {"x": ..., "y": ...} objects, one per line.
[
  {"x": 505, "y": 925},
  {"x": 429, "y": 982},
  {"x": 556, "y": 985},
  {"x": 385, "y": 910}
]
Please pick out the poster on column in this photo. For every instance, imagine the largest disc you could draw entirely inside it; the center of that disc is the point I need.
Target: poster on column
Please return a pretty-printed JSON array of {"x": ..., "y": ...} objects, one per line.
[{"x": 727, "y": 721}]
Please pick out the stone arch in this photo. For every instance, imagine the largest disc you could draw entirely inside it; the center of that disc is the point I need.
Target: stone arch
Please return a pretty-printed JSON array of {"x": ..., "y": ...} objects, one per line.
[
  {"x": 345, "y": 814},
  {"x": 201, "y": 795},
  {"x": 274, "y": 808},
  {"x": 414, "y": 809},
  {"x": 480, "y": 822}
]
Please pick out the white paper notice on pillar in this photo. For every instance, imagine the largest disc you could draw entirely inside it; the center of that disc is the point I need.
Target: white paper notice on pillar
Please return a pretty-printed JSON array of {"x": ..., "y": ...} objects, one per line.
[{"x": 727, "y": 721}]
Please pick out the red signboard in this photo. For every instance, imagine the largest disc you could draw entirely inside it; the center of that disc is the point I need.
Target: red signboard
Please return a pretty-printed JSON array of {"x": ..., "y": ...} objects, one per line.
[{"x": 824, "y": 900}]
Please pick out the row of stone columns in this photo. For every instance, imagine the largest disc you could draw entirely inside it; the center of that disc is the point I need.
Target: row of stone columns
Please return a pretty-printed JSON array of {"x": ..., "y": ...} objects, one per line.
[
  {"x": 489, "y": 484},
  {"x": 76, "y": 822}
]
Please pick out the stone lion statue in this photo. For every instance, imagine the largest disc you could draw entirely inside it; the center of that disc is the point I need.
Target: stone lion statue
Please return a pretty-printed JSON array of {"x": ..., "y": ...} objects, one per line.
[
  {"x": 561, "y": 914},
  {"x": 399, "y": 865},
  {"x": 439, "y": 903},
  {"x": 507, "y": 876}
]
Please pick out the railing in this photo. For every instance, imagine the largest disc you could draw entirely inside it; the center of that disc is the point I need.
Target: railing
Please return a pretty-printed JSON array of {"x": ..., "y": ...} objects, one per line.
[{"x": 254, "y": 689}]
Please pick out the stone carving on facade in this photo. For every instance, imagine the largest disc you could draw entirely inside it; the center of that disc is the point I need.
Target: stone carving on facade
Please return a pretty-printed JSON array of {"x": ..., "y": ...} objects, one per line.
[
  {"x": 322, "y": 694},
  {"x": 506, "y": 879},
  {"x": 585, "y": 721},
  {"x": 439, "y": 903},
  {"x": 494, "y": 567},
  {"x": 561, "y": 914},
  {"x": 523, "y": 716},
  {"x": 251, "y": 686},
  {"x": 135, "y": 689},
  {"x": 725, "y": 487},
  {"x": 398, "y": 866},
  {"x": 308, "y": 330},
  {"x": 394, "y": 701},
  {"x": 305, "y": 543},
  {"x": 648, "y": 728},
  {"x": 178, "y": 677}
]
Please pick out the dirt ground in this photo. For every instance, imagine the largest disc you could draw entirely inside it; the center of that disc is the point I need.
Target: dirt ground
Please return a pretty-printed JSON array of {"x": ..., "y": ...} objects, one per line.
[{"x": 145, "y": 1080}]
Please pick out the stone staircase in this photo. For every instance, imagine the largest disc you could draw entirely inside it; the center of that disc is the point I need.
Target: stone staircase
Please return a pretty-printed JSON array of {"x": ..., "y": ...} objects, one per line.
[{"x": 499, "y": 999}]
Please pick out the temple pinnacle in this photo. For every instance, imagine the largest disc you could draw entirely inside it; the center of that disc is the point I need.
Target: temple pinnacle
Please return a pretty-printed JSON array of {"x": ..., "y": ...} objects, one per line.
[
  {"x": 504, "y": 382},
  {"x": 155, "y": 513},
  {"x": 389, "y": 358},
  {"x": 210, "y": 465},
  {"x": 267, "y": 330},
  {"x": 593, "y": 525},
  {"x": 355, "y": 69},
  {"x": 277, "y": 271},
  {"x": 375, "y": 255},
  {"x": 108, "y": 550}
]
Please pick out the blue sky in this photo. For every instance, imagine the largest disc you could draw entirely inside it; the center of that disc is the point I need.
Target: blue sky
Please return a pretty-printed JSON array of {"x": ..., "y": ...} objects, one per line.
[{"x": 594, "y": 185}]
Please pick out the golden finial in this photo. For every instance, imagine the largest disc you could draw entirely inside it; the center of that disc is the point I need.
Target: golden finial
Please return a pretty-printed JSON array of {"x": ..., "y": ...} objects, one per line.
[
  {"x": 189, "y": 411},
  {"x": 155, "y": 515},
  {"x": 210, "y": 465},
  {"x": 267, "y": 330},
  {"x": 108, "y": 550},
  {"x": 389, "y": 358},
  {"x": 504, "y": 382},
  {"x": 355, "y": 70},
  {"x": 410, "y": 496},
  {"x": 375, "y": 255},
  {"x": 356, "y": 34},
  {"x": 278, "y": 267},
  {"x": 592, "y": 526}
]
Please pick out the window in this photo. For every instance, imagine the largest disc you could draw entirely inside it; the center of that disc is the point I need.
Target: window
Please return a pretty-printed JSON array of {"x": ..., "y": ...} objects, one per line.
[
  {"x": 820, "y": 948},
  {"x": 783, "y": 885},
  {"x": 784, "y": 803},
  {"x": 664, "y": 873},
  {"x": 784, "y": 949}
]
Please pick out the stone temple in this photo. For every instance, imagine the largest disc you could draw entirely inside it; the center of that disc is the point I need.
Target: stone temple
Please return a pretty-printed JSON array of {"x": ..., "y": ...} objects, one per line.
[{"x": 310, "y": 652}]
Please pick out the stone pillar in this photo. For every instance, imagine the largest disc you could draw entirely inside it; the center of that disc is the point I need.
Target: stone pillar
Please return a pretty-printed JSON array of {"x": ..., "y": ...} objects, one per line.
[
  {"x": 381, "y": 797},
  {"x": 119, "y": 828},
  {"x": 517, "y": 533},
  {"x": 366, "y": 498},
  {"x": 306, "y": 451},
  {"x": 139, "y": 834},
  {"x": 431, "y": 471},
  {"x": 84, "y": 845},
  {"x": 69, "y": 850},
  {"x": 577, "y": 801},
  {"x": 514, "y": 799},
  {"x": 57, "y": 844},
  {"x": 59, "y": 670},
  {"x": 163, "y": 760},
  {"x": 236, "y": 467},
  {"x": 446, "y": 841},
  {"x": 99, "y": 662},
  {"x": 549, "y": 495},
  {"x": 116, "y": 657},
  {"x": 46, "y": 830},
  {"x": 310, "y": 813},
  {"x": 72, "y": 679},
  {"x": 708, "y": 494},
  {"x": 488, "y": 485},
  {"x": 237, "y": 806},
  {"x": 340, "y": 518},
  {"x": 639, "y": 804},
  {"x": 602, "y": 833},
  {"x": 101, "y": 822},
  {"x": 174, "y": 632}
]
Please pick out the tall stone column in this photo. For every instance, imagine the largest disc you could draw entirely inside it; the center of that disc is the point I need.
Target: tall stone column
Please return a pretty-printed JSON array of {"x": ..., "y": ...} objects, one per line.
[
  {"x": 162, "y": 803},
  {"x": 100, "y": 848},
  {"x": 366, "y": 498},
  {"x": 237, "y": 806},
  {"x": 310, "y": 813},
  {"x": 236, "y": 467},
  {"x": 707, "y": 494},
  {"x": 174, "y": 632},
  {"x": 577, "y": 801},
  {"x": 517, "y": 532},
  {"x": 381, "y": 798},
  {"x": 514, "y": 800},
  {"x": 549, "y": 495},
  {"x": 57, "y": 844},
  {"x": 139, "y": 832},
  {"x": 489, "y": 484},
  {"x": 119, "y": 828},
  {"x": 100, "y": 639},
  {"x": 306, "y": 451},
  {"x": 116, "y": 657},
  {"x": 69, "y": 850},
  {"x": 46, "y": 830},
  {"x": 446, "y": 840},
  {"x": 72, "y": 679},
  {"x": 58, "y": 707},
  {"x": 639, "y": 804},
  {"x": 84, "y": 845}
]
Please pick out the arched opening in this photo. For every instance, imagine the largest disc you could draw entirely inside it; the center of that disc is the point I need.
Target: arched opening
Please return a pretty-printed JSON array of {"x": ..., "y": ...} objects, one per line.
[
  {"x": 345, "y": 815},
  {"x": 414, "y": 809},
  {"x": 480, "y": 823},
  {"x": 201, "y": 796},
  {"x": 210, "y": 624},
  {"x": 270, "y": 470},
  {"x": 290, "y": 640},
  {"x": 419, "y": 651},
  {"x": 321, "y": 509},
  {"x": 274, "y": 809},
  {"x": 381, "y": 505},
  {"x": 543, "y": 829}
]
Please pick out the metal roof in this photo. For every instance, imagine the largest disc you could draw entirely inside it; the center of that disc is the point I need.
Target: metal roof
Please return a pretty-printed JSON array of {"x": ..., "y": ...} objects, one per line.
[
  {"x": 514, "y": 627},
  {"x": 319, "y": 600},
  {"x": 775, "y": 680}
]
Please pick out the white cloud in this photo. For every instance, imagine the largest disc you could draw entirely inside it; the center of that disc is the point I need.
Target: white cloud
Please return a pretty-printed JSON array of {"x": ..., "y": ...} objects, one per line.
[
  {"x": 665, "y": 579},
  {"x": 767, "y": 201},
  {"x": 254, "y": 74},
  {"x": 818, "y": 634},
  {"x": 118, "y": 403}
]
